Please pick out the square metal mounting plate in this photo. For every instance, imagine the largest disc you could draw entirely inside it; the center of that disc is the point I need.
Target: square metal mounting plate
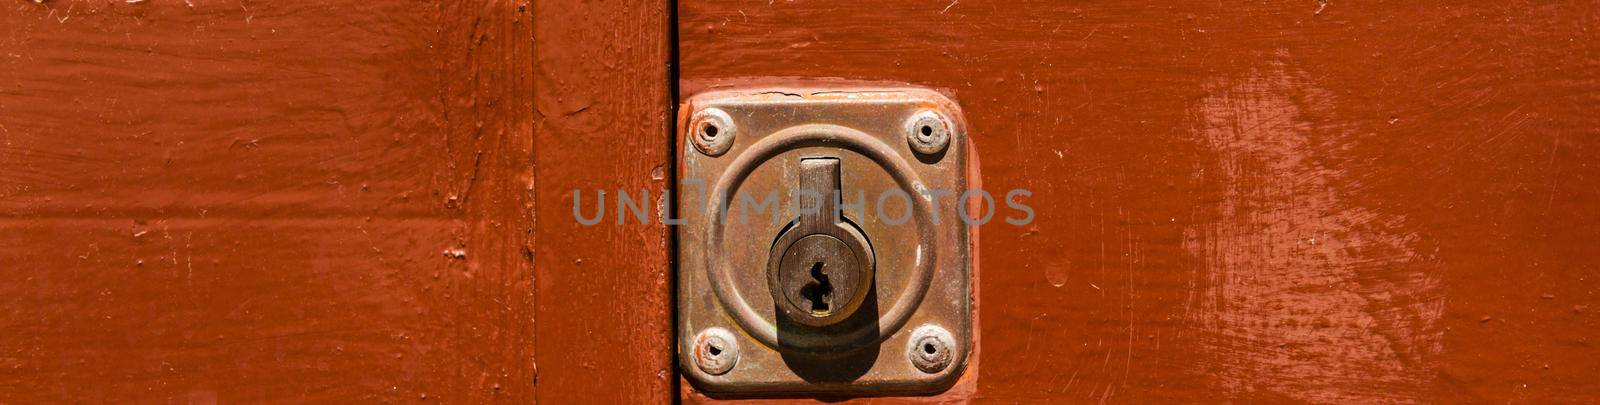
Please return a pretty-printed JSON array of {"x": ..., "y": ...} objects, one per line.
[{"x": 901, "y": 160}]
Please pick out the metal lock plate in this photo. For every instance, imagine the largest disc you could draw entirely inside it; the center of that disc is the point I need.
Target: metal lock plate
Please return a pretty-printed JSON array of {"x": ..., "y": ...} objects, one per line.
[{"x": 821, "y": 248}]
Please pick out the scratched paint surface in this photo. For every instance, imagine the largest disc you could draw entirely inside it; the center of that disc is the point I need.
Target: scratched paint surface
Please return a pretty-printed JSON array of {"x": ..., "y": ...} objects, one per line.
[
  {"x": 1296, "y": 201},
  {"x": 1291, "y": 265}
]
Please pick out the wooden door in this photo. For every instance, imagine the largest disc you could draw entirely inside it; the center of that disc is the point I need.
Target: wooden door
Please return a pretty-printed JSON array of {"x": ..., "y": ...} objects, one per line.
[{"x": 364, "y": 201}]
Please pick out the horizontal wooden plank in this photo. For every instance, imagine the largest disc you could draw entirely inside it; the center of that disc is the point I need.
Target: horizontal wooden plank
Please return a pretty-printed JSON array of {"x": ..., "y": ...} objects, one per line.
[{"x": 239, "y": 201}]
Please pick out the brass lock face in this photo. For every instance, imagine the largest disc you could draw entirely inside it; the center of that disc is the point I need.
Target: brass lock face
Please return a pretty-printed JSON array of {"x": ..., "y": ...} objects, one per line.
[{"x": 821, "y": 248}]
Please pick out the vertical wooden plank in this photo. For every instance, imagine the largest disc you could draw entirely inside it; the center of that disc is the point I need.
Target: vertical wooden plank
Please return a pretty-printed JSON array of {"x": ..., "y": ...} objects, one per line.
[
  {"x": 486, "y": 311},
  {"x": 257, "y": 201},
  {"x": 602, "y": 113}
]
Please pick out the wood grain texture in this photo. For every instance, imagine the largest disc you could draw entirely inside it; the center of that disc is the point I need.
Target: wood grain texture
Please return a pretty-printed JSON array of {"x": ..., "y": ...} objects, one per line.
[
  {"x": 603, "y": 110},
  {"x": 1263, "y": 202},
  {"x": 207, "y": 201}
]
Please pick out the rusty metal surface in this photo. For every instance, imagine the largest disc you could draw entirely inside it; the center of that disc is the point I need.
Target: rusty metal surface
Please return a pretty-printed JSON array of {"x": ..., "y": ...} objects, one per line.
[{"x": 915, "y": 256}]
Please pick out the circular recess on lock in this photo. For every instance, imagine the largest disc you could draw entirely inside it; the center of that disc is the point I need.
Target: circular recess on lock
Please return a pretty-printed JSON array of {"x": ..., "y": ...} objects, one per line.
[{"x": 907, "y": 294}]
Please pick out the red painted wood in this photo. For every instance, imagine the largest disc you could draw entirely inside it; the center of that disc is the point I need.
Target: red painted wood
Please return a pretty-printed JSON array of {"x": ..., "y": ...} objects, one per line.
[
  {"x": 1319, "y": 201},
  {"x": 259, "y": 201},
  {"x": 1275, "y": 202},
  {"x": 602, "y": 114}
]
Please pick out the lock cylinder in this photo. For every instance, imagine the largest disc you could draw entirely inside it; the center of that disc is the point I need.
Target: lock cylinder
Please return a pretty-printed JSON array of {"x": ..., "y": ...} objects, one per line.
[{"x": 821, "y": 266}]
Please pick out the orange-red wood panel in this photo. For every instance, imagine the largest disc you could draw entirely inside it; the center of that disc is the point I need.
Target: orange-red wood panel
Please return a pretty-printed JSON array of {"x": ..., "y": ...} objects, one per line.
[
  {"x": 602, "y": 115},
  {"x": 241, "y": 201},
  {"x": 1284, "y": 201},
  {"x": 1323, "y": 201}
]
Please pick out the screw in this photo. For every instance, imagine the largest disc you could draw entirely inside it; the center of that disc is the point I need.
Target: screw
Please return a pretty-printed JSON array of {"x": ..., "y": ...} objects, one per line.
[
  {"x": 928, "y": 132},
  {"x": 713, "y": 131},
  {"x": 931, "y": 348},
  {"x": 715, "y": 351}
]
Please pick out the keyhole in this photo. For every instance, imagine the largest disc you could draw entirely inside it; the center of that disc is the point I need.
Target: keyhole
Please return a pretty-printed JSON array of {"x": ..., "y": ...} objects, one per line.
[{"x": 818, "y": 290}]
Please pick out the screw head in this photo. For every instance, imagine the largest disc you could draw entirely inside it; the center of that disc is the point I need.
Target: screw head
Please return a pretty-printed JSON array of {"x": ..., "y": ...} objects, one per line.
[
  {"x": 931, "y": 348},
  {"x": 715, "y": 351},
  {"x": 712, "y": 131},
  {"x": 928, "y": 133}
]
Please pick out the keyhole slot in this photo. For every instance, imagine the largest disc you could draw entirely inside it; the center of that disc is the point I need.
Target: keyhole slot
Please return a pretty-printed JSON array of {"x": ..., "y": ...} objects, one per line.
[{"x": 818, "y": 291}]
